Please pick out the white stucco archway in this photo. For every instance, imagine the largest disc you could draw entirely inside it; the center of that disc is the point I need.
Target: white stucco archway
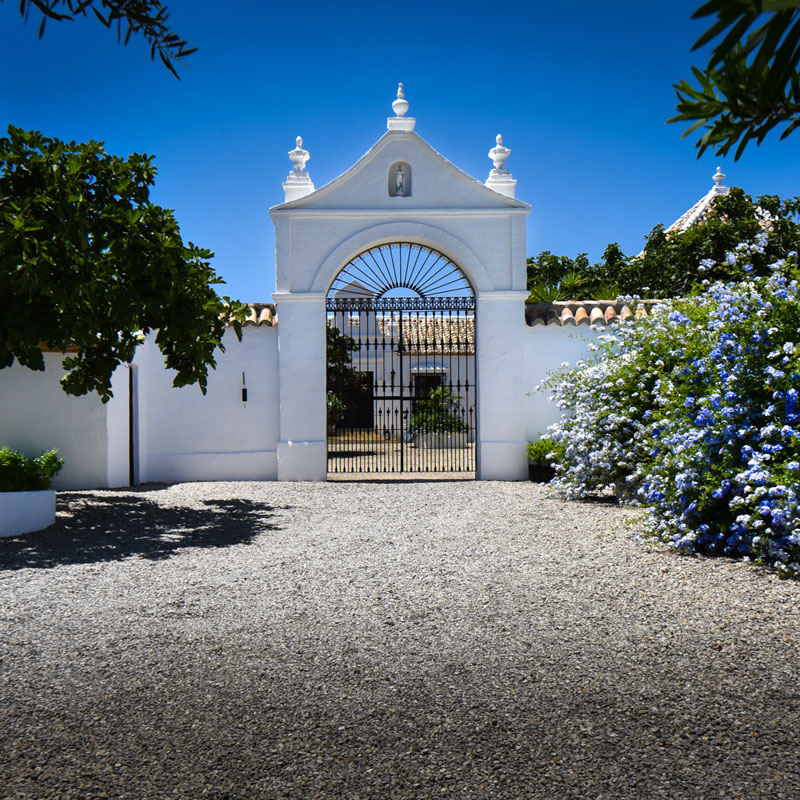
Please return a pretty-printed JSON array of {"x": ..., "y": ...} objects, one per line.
[{"x": 481, "y": 228}]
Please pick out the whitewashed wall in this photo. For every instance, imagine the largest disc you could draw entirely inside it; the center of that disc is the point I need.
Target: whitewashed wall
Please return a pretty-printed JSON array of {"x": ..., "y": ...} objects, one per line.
[
  {"x": 183, "y": 435},
  {"x": 545, "y": 349},
  {"x": 92, "y": 438},
  {"x": 187, "y": 436}
]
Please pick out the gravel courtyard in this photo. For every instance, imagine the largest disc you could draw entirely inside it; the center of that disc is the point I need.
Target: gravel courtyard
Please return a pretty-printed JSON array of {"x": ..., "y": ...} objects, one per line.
[{"x": 386, "y": 640}]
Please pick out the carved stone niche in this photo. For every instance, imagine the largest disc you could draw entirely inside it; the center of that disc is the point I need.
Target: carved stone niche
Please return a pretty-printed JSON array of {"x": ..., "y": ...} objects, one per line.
[{"x": 400, "y": 179}]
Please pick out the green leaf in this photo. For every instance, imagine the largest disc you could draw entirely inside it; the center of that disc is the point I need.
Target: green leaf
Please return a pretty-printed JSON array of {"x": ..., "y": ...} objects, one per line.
[{"x": 86, "y": 261}]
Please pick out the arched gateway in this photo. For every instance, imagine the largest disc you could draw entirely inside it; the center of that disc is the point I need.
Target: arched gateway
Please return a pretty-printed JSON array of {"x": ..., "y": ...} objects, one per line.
[
  {"x": 404, "y": 254},
  {"x": 401, "y": 387}
]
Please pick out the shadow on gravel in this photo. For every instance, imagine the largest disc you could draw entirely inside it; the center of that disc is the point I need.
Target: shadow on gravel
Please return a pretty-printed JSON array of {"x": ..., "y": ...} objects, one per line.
[
  {"x": 600, "y": 499},
  {"x": 110, "y": 526}
]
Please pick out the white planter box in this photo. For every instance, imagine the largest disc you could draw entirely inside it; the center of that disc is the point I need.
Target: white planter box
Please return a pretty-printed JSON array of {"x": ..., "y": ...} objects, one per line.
[{"x": 22, "y": 512}]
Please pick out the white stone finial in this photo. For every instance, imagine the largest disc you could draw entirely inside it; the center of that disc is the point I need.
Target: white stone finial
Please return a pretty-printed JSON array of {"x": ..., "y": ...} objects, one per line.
[
  {"x": 400, "y": 106},
  {"x": 500, "y": 178},
  {"x": 400, "y": 122},
  {"x": 499, "y": 154},
  {"x": 298, "y": 184},
  {"x": 718, "y": 188},
  {"x": 298, "y": 156}
]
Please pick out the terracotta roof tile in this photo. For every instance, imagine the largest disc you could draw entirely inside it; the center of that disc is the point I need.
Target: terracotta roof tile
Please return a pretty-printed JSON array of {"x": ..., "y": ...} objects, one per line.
[
  {"x": 567, "y": 317},
  {"x": 435, "y": 335},
  {"x": 585, "y": 312},
  {"x": 262, "y": 314},
  {"x": 458, "y": 335},
  {"x": 697, "y": 214}
]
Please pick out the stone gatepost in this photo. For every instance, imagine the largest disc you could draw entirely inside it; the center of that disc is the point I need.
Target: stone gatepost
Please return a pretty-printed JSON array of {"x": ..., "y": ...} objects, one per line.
[
  {"x": 501, "y": 391},
  {"x": 302, "y": 447}
]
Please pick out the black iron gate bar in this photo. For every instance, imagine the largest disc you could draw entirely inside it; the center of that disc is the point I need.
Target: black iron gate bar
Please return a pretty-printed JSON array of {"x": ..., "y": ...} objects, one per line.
[{"x": 410, "y": 388}]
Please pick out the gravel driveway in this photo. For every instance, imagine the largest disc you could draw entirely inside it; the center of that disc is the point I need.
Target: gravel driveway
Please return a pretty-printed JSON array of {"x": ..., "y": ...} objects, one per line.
[{"x": 386, "y": 640}]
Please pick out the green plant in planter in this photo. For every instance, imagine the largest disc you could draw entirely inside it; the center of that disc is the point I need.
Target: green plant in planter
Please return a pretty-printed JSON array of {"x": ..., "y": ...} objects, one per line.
[
  {"x": 542, "y": 455},
  {"x": 539, "y": 452},
  {"x": 438, "y": 413},
  {"x": 18, "y": 473}
]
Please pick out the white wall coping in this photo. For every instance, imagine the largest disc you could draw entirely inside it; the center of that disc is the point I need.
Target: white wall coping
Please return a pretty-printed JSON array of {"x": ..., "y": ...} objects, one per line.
[
  {"x": 298, "y": 297},
  {"x": 504, "y": 295}
]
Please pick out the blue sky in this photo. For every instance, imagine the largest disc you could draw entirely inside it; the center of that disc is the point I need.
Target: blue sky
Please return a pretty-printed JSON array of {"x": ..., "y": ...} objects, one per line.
[{"x": 580, "y": 92}]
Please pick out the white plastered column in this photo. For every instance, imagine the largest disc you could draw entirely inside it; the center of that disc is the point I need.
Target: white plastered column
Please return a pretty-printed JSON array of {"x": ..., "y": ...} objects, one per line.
[
  {"x": 302, "y": 447},
  {"x": 501, "y": 391}
]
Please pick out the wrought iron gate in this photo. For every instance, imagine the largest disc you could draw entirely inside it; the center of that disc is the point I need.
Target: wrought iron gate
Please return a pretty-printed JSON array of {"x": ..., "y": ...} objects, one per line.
[{"x": 401, "y": 370}]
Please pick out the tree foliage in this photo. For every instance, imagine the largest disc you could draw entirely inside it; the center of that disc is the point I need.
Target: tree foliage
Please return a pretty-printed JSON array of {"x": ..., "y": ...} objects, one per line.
[
  {"x": 679, "y": 263},
  {"x": 348, "y": 389},
  {"x": 751, "y": 83},
  {"x": 552, "y": 278},
  {"x": 148, "y": 18},
  {"x": 88, "y": 266},
  {"x": 340, "y": 348}
]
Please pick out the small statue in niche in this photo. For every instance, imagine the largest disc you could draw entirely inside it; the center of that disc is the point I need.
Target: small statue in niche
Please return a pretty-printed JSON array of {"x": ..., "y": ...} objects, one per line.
[{"x": 399, "y": 181}]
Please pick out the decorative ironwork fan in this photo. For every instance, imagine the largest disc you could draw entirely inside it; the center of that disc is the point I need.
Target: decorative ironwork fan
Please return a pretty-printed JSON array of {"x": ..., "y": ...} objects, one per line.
[{"x": 400, "y": 269}]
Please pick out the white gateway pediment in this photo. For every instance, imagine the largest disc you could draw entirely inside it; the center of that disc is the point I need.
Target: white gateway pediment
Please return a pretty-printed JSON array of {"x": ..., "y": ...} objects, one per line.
[{"x": 427, "y": 180}]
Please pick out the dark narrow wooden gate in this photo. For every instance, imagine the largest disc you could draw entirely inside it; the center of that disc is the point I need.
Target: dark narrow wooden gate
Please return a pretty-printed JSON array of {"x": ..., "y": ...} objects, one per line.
[{"x": 401, "y": 369}]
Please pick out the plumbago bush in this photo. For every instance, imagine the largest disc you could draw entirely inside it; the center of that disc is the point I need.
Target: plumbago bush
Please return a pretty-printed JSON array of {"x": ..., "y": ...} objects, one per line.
[{"x": 695, "y": 412}]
